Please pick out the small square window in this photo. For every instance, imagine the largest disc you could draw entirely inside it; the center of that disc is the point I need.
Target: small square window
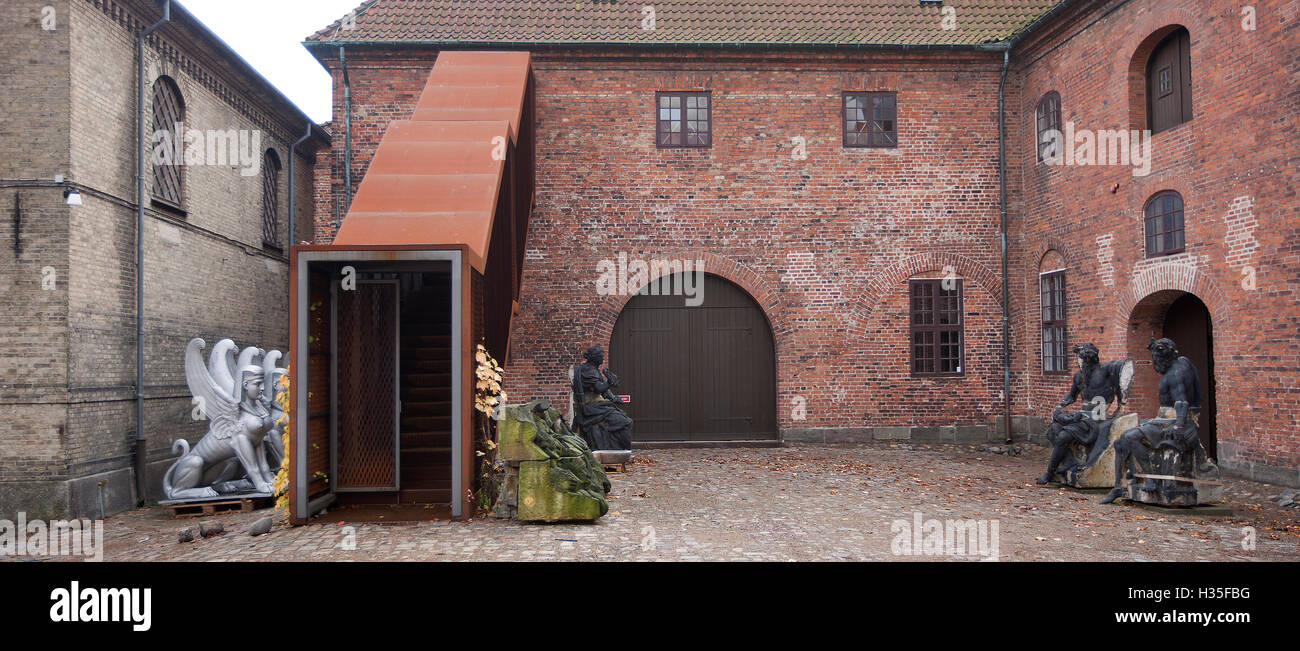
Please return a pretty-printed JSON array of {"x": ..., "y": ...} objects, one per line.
[
  {"x": 870, "y": 119},
  {"x": 684, "y": 120}
]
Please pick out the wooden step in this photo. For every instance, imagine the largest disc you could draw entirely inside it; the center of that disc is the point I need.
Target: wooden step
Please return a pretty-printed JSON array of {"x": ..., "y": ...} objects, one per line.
[
  {"x": 427, "y": 352},
  {"x": 436, "y": 341},
  {"x": 427, "y": 457},
  {"x": 412, "y": 475},
  {"x": 425, "y": 393},
  {"x": 427, "y": 379},
  {"x": 428, "y": 364},
  {"x": 425, "y": 440},
  {"x": 429, "y": 495},
  {"x": 426, "y": 423},
  {"x": 426, "y": 407}
]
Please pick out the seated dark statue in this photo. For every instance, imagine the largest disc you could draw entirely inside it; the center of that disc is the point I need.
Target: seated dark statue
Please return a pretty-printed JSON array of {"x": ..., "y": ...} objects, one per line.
[
  {"x": 1165, "y": 453},
  {"x": 1086, "y": 433},
  {"x": 596, "y": 414}
]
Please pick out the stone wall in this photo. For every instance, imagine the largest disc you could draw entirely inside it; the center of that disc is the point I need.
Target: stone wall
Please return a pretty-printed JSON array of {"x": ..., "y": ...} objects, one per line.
[{"x": 207, "y": 272}]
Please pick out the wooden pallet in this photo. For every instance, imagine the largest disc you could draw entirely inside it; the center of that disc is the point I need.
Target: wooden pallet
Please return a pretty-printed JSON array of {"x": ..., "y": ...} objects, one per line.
[{"x": 200, "y": 509}]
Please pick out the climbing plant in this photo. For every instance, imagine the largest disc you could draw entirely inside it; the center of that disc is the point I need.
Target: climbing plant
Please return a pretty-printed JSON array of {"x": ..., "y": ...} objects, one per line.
[
  {"x": 281, "y": 483},
  {"x": 488, "y": 399}
]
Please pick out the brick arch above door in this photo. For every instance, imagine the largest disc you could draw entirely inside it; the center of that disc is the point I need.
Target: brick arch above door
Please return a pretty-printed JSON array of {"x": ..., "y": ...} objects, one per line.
[
  {"x": 1171, "y": 276},
  {"x": 767, "y": 298}
]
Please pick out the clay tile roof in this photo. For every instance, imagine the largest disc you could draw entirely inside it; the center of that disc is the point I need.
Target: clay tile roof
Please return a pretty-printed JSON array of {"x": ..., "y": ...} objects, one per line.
[{"x": 748, "y": 22}]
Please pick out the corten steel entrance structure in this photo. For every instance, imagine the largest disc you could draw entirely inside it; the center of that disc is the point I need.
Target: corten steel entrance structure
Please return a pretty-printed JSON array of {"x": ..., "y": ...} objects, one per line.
[{"x": 425, "y": 265}]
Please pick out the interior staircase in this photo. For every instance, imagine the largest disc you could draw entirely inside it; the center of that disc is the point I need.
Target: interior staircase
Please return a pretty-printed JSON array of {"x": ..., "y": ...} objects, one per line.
[{"x": 426, "y": 394}]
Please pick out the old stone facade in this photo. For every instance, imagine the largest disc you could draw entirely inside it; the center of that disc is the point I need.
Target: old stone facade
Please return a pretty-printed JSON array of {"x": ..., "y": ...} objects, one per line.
[
  {"x": 827, "y": 238},
  {"x": 67, "y": 350}
]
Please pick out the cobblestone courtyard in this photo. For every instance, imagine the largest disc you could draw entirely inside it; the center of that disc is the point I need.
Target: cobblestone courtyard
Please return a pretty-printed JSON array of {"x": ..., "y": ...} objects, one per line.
[{"x": 803, "y": 503}]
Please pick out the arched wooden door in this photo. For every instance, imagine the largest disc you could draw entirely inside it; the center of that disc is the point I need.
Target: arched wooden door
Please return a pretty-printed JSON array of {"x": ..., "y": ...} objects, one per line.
[
  {"x": 702, "y": 373},
  {"x": 1188, "y": 323}
]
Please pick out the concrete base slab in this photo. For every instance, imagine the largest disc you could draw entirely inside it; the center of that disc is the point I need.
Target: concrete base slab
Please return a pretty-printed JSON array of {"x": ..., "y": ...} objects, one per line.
[{"x": 1203, "y": 510}]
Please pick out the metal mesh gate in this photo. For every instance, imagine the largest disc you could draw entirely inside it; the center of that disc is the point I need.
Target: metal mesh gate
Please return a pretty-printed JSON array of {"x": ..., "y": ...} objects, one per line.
[{"x": 367, "y": 346}]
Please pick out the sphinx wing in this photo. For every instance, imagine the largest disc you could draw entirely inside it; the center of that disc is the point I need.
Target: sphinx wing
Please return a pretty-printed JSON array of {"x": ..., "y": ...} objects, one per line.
[
  {"x": 220, "y": 361},
  {"x": 219, "y": 407}
]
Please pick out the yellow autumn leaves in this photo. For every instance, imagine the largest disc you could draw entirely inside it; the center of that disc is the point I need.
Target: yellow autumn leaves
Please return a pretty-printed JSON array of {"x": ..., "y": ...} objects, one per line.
[
  {"x": 487, "y": 388},
  {"x": 281, "y": 482}
]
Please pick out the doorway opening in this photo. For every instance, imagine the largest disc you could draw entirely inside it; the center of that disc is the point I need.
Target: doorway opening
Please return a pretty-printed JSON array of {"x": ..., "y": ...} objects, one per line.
[{"x": 1184, "y": 318}]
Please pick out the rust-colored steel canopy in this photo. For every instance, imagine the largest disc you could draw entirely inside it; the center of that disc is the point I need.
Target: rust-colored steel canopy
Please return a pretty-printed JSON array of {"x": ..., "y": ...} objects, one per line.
[
  {"x": 434, "y": 179},
  {"x": 476, "y": 86}
]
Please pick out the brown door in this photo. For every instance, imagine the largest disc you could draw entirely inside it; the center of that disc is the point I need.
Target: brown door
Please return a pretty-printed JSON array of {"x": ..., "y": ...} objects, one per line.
[
  {"x": 366, "y": 340},
  {"x": 702, "y": 373},
  {"x": 1188, "y": 323},
  {"x": 1169, "y": 82}
]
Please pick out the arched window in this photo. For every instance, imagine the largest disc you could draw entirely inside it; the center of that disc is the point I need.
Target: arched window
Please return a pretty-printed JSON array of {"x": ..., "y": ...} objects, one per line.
[
  {"x": 271, "y": 199},
  {"x": 1164, "y": 224},
  {"x": 168, "y": 144},
  {"x": 1049, "y": 119},
  {"x": 1169, "y": 82},
  {"x": 1051, "y": 303}
]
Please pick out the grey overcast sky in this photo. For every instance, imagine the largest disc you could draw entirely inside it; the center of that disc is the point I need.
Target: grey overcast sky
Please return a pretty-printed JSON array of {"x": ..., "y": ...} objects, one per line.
[{"x": 269, "y": 35}]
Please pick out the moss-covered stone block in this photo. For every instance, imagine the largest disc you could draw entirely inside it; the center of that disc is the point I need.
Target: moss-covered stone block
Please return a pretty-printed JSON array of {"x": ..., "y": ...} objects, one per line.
[
  {"x": 558, "y": 478},
  {"x": 550, "y": 491},
  {"x": 516, "y": 433}
]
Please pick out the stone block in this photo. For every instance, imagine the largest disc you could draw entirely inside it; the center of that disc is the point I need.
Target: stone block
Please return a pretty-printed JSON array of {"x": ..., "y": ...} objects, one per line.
[
  {"x": 544, "y": 497},
  {"x": 1100, "y": 474},
  {"x": 892, "y": 433}
]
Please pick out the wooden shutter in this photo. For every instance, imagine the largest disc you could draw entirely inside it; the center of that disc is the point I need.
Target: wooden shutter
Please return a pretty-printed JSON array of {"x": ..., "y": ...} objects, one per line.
[{"x": 168, "y": 113}]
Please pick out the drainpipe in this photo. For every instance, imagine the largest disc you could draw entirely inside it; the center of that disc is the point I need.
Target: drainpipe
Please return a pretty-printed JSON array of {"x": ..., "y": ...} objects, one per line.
[
  {"x": 293, "y": 150},
  {"x": 347, "y": 131},
  {"x": 1006, "y": 295},
  {"x": 141, "y": 453},
  {"x": 293, "y": 153}
]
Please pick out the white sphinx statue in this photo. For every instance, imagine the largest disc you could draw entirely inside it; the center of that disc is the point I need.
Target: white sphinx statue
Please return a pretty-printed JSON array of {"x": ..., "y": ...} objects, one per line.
[{"x": 242, "y": 448}]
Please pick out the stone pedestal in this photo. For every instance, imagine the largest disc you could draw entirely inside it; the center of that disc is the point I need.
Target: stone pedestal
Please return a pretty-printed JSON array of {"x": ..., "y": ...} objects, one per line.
[
  {"x": 551, "y": 475},
  {"x": 1100, "y": 473},
  {"x": 1167, "y": 478}
]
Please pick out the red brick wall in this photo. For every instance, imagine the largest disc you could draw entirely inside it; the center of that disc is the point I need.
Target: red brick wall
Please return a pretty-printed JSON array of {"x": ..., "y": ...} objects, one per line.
[
  {"x": 826, "y": 244},
  {"x": 1235, "y": 164}
]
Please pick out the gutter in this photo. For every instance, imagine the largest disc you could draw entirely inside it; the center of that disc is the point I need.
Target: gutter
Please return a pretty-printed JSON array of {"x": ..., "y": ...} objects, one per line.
[
  {"x": 141, "y": 451},
  {"x": 1002, "y": 206},
  {"x": 347, "y": 130},
  {"x": 1006, "y": 46},
  {"x": 293, "y": 153},
  {"x": 568, "y": 45}
]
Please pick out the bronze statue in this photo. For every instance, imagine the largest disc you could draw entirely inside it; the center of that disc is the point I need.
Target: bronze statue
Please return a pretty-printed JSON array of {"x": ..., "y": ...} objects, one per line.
[
  {"x": 1087, "y": 431},
  {"x": 1161, "y": 451},
  {"x": 596, "y": 414}
]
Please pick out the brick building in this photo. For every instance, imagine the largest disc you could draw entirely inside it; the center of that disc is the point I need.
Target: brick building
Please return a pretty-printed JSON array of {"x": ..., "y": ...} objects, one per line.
[
  {"x": 839, "y": 170},
  {"x": 215, "y": 239}
]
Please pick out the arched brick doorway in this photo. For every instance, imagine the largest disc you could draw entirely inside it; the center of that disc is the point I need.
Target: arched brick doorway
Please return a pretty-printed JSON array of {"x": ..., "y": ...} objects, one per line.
[
  {"x": 697, "y": 373},
  {"x": 1184, "y": 318}
]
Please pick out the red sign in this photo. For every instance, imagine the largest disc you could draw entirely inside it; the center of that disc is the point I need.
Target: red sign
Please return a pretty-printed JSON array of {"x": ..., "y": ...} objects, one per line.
[{"x": 625, "y": 399}]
